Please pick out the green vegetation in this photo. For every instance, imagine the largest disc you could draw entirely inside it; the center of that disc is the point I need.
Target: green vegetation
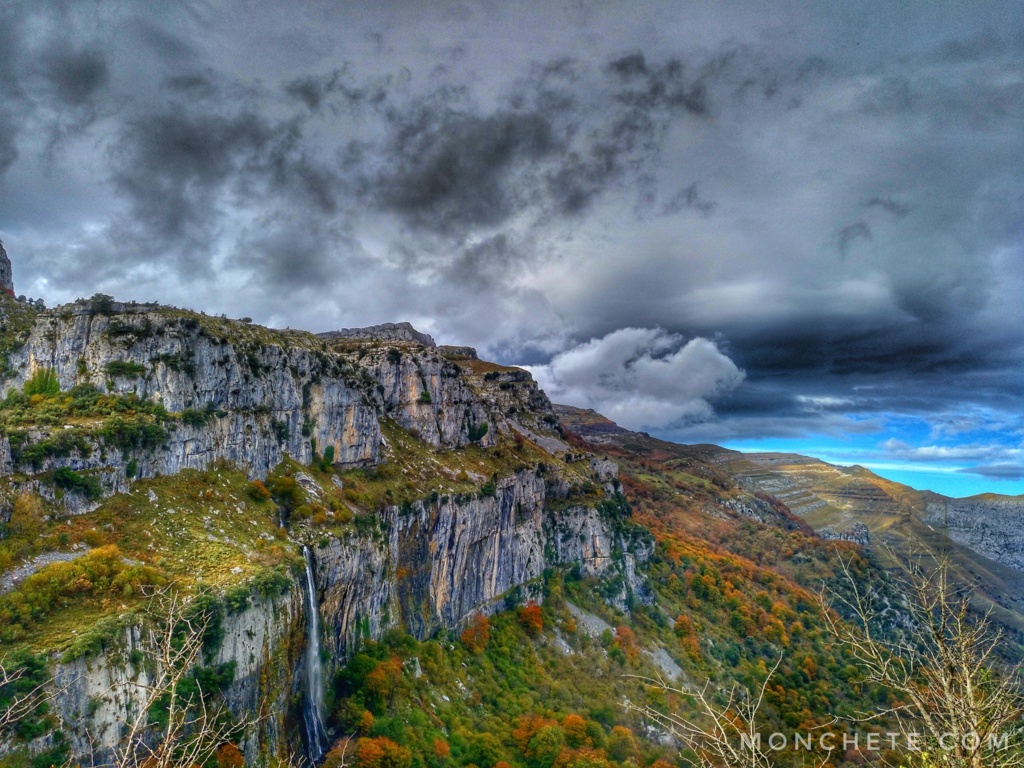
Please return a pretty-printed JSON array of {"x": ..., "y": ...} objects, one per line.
[
  {"x": 203, "y": 528},
  {"x": 42, "y": 382},
  {"x": 414, "y": 470},
  {"x": 90, "y": 580},
  {"x": 124, "y": 368},
  {"x": 508, "y": 698},
  {"x": 101, "y": 304},
  {"x": 69, "y": 480},
  {"x": 476, "y": 432},
  {"x": 81, "y": 404},
  {"x": 16, "y": 322}
]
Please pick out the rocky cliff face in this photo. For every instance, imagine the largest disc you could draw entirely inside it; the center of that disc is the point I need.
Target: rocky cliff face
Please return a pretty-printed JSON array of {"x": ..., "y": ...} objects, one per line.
[
  {"x": 382, "y": 332},
  {"x": 100, "y": 695},
  {"x": 263, "y": 396},
  {"x": 270, "y": 394},
  {"x": 990, "y": 525},
  {"x": 436, "y": 563},
  {"x": 6, "y": 274},
  {"x": 423, "y": 568}
]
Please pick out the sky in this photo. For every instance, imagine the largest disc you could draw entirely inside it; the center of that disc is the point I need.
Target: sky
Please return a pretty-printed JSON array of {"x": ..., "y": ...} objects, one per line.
[{"x": 769, "y": 225}]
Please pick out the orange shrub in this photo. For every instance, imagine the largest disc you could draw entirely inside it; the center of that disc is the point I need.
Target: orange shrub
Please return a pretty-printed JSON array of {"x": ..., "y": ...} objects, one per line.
[
  {"x": 258, "y": 491},
  {"x": 441, "y": 749},
  {"x": 384, "y": 678},
  {"x": 528, "y": 726},
  {"x": 365, "y": 721},
  {"x": 476, "y": 635},
  {"x": 626, "y": 641},
  {"x": 531, "y": 619},
  {"x": 381, "y": 752},
  {"x": 230, "y": 756},
  {"x": 575, "y": 728}
]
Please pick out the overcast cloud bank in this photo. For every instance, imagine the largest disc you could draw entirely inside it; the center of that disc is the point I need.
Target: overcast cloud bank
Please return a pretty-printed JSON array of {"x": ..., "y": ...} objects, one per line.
[{"x": 830, "y": 191}]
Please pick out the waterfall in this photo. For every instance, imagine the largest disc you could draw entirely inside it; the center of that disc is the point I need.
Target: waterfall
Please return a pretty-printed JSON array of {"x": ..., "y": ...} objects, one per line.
[{"x": 316, "y": 734}]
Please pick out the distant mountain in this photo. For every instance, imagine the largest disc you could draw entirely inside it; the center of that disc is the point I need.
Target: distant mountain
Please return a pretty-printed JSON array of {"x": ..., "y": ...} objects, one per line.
[{"x": 984, "y": 535}]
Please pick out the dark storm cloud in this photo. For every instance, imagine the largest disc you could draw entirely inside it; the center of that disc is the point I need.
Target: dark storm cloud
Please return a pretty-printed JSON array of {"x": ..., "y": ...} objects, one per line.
[
  {"x": 649, "y": 87},
  {"x": 75, "y": 75},
  {"x": 889, "y": 205},
  {"x": 850, "y": 234},
  {"x": 291, "y": 253},
  {"x": 194, "y": 85},
  {"x": 8, "y": 139},
  {"x": 453, "y": 170},
  {"x": 838, "y": 198},
  {"x": 311, "y": 90},
  {"x": 688, "y": 197},
  {"x": 339, "y": 91},
  {"x": 172, "y": 165}
]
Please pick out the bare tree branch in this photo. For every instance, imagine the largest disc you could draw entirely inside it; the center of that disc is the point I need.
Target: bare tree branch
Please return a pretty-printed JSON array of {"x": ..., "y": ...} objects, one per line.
[
  {"x": 956, "y": 708},
  {"x": 725, "y": 734}
]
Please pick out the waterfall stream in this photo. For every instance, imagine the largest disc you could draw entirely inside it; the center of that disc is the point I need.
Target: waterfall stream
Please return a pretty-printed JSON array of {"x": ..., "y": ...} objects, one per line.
[{"x": 316, "y": 734}]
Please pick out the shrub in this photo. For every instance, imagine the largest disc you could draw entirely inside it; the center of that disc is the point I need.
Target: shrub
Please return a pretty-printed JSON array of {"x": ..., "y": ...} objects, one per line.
[
  {"x": 271, "y": 582},
  {"x": 531, "y": 619},
  {"x": 101, "y": 304},
  {"x": 102, "y": 573},
  {"x": 575, "y": 728},
  {"x": 327, "y": 461},
  {"x": 476, "y": 635},
  {"x": 258, "y": 490},
  {"x": 543, "y": 749},
  {"x": 132, "y": 432},
  {"x": 27, "y": 517},
  {"x": 196, "y": 418},
  {"x": 125, "y": 368},
  {"x": 72, "y": 481},
  {"x": 230, "y": 756},
  {"x": 286, "y": 492},
  {"x": 425, "y": 397},
  {"x": 477, "y": 431},
  {"x": 381, "y": 752},
  {"x": 42, "y": 382}
]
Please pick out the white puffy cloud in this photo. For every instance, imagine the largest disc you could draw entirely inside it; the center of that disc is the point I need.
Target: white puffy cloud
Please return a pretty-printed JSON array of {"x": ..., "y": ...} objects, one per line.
[{"x": 641, "y": 378}]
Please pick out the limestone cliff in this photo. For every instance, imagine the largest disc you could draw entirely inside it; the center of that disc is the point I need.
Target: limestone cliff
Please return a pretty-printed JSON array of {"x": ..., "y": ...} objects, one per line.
[
  {"x": 436, "y": 563},
  {"x": 269, "y": 394},
  {"x": 6, "y": 274},
  {"x": 231, "y": 391}
]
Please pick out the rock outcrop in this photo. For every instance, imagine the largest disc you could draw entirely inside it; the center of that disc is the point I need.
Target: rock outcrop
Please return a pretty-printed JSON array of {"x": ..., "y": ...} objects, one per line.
[
  {"x": 436, "y": 563},
  {"x": 99, "y": 695},
  {"x": 383, "y": 332},
  {"x": 6, "y": 274},
  {"x": 268, "y": 394},
  {"x": 990, "y": 525}
]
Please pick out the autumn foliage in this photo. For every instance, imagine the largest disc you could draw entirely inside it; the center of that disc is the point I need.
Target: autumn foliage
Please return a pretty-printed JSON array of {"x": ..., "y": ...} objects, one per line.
[
  {"x": 230, "y": 756},
  {"x": 381, "y": 752},
  {"x": 531, "y": 619},
  {"x": 476, "y": 635}
]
